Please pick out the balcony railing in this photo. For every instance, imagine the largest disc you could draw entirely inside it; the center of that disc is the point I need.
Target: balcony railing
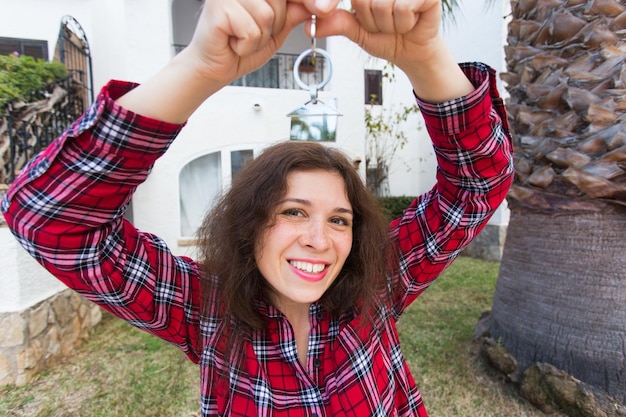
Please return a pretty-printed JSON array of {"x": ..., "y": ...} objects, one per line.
[{"x": 278, "y": 72}]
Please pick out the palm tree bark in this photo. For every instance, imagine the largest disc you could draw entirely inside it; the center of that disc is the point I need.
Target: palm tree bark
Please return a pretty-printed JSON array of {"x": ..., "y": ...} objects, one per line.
[{"x": 561, "y": 292}]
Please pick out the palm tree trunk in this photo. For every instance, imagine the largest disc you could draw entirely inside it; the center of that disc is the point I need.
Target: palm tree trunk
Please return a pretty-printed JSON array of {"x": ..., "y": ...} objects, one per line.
[{"x": 561, "y": 294}]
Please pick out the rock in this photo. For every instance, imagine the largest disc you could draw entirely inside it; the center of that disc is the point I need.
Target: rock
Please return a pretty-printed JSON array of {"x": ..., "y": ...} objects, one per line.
[
  {"x": 551, "y": 390},
  {"x": 12, "y": 330},
  {"x": 499, "y": 358},
  {"x": 38, "y": 320}
]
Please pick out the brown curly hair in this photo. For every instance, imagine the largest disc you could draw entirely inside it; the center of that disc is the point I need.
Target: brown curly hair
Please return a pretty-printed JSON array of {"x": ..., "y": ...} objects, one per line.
[{"x": 229, "y": 233}]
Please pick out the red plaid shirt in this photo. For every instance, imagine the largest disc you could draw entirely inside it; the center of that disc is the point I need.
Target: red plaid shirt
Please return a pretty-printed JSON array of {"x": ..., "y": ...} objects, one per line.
[{"x": 66, "y": 208}]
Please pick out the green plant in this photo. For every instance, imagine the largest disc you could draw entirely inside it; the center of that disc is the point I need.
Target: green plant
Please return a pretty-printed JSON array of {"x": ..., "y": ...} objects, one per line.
[
  {"x": 394, "y": 206},
  {"x": 384, "y": 136},
  {"x": 21, "y": 74},
  {"x": 121, "y": 371}
]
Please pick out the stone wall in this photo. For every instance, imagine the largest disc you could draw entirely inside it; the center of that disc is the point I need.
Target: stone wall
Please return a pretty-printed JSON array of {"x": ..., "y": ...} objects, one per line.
[
  {"x": 488, "y": 244},
  {"x": 41, "y": 321},
  {"x": 36, "y": 338}
]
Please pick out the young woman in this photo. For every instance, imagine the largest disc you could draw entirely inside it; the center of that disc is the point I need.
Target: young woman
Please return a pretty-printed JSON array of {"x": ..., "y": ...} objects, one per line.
[{"x": 292, "y": 307}]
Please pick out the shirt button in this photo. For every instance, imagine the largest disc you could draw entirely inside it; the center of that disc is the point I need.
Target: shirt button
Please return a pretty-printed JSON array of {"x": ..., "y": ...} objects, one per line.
[
  {"x": 317, "y": 362},
  {"x": 319, "y": 315}
]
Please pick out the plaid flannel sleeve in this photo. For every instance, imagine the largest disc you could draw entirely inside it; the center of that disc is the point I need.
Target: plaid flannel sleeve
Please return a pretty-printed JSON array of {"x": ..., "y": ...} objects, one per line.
[
  {"x": 473, "y": 147},
  {"x": 67, "y": 208}
]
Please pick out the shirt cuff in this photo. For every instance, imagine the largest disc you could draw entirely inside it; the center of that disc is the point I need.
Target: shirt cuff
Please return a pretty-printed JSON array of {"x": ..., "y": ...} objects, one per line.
[
  {"x": 452, "y": 117},
  {"x": 116, "y": 130}
]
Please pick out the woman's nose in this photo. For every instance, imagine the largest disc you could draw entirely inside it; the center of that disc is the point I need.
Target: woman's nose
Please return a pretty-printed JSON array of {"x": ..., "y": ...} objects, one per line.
[{"x": 315, "y": 235}]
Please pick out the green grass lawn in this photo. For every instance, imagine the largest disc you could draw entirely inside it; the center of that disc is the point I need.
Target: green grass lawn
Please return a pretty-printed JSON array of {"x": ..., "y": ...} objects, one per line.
[{"x": 122, "y": 372}]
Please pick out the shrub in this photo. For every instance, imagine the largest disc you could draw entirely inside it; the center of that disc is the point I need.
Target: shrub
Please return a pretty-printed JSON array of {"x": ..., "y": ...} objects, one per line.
[
  {"x": 21, "y": 74},
  {"x": 393, "y": 206}
]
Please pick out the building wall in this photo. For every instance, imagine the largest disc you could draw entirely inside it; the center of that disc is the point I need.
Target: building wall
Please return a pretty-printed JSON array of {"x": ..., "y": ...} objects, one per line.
[
  {"x": 132, "y": 39},
  {"x": 476, "y": 34},
  {"x": 24, "y": 282}
]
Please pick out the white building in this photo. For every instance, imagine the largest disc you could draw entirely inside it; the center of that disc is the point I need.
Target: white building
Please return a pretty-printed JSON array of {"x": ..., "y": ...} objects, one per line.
[{"x": 131, "y": 39}]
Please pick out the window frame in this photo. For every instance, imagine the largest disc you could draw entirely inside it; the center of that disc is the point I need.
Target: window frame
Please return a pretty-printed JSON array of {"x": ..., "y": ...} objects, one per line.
[
  {"x": 24, "y": 46},
  {"x": 373, "y": 87}
]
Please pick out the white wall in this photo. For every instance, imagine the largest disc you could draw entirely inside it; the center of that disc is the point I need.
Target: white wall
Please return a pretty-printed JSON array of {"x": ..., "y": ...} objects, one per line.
[
  {"x": 23, "y": 281},
  {"x": 477, "y": 34},
  {"x": 131, "y": 39}
]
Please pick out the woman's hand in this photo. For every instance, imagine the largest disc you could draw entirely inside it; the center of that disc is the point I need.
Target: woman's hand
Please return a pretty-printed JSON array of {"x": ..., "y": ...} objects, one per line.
[
  {"x": 232, "y": 38},
  {"x": 235, "y": 37},
  {"x": 400, "y": 31},
  {"x": 406, "y": 33}
]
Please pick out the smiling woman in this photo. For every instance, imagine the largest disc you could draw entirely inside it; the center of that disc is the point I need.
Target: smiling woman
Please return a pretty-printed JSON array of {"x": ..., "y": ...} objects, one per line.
[
  {"x": 297, "y": 204},
  {"x": 292, "y": 306},
  {"x": 303, "y": 251}
]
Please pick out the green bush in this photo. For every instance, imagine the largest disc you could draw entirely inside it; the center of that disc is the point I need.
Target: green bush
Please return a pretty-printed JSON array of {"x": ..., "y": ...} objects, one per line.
[
  {"x": 393, "y": 206},
  {"x": 21, "y": 74}
]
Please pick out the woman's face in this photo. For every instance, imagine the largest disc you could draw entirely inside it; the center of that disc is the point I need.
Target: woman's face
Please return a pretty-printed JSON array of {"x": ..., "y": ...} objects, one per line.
[{"x": 302, "y": 252}]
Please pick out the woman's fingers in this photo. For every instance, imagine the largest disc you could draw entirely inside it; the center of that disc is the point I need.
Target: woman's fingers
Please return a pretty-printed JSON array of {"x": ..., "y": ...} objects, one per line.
[
  {"x": 253, "y": 25},
  {"x": 252, "y": 57},
  {"x": 280, "y": 13},
  {"x": 318, "y": 7},
  {"x": 396, "y": 30},
  {"x": 405, "y": 16},
  {"x": 342, "y": 23},
  {"x": 387, "y": 16}
]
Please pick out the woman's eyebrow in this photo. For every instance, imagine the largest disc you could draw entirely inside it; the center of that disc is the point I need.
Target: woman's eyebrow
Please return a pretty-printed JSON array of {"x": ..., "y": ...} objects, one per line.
[
  {"x": 307, "y": 203},
  {"x": 344, "y": 210}
]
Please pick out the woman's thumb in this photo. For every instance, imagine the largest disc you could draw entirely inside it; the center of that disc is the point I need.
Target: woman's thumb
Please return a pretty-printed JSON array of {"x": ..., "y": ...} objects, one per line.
[
  {"x": 318, "y": 7},
  {"x": 339, "y": 23}
]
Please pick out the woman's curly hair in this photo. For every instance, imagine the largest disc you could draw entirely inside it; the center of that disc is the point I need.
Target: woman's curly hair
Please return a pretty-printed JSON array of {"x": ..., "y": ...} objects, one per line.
[{"x": 231, "y": 231}]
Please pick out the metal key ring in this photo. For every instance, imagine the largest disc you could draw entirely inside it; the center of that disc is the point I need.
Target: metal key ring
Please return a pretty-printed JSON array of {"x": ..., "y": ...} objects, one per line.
[
  {"x": 296, "y": 74},
  {"x": 313, "y": 31}
]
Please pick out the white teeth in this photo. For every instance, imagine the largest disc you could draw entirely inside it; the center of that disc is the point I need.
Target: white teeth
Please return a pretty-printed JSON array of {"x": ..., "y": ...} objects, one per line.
[{"x": 307, "y": 266}]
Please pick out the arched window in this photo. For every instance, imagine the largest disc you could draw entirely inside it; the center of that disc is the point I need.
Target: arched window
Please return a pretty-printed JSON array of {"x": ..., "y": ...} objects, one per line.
[{"x": 201, "y": 180}]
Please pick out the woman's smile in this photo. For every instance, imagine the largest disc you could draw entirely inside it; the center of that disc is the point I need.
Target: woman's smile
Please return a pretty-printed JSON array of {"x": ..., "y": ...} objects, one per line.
[
  {"x": 310, "y": 271},
  {"x": 309, "y": 239}
]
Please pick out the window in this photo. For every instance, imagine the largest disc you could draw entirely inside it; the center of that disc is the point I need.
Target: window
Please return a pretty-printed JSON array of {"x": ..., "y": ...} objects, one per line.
[
  {"x": 266, "y": 76},
  {"x": 201, "y": 181},
  {"x": 30, "y": 47},
  {"x": 373, "y": 87},
  {"x": 238, "y": 159},
  {"x": 278, "y": 73}
]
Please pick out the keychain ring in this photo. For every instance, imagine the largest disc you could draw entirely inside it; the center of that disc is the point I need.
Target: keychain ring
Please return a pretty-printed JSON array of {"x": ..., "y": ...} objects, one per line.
[
  {"x": 296, "y": 67},
  {"x": 313, "y": 32}
]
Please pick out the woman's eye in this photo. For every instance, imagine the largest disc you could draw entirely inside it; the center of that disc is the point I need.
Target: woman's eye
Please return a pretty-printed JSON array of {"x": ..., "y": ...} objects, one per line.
[
  {"x": 292, "y": 212},
  {"x": 340, "y": 221}
]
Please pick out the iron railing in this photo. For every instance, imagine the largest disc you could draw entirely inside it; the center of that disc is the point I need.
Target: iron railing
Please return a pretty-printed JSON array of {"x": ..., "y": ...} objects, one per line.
[
  {"x": 278, "y": 72},
  {"x": 30, "y": 123}
]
